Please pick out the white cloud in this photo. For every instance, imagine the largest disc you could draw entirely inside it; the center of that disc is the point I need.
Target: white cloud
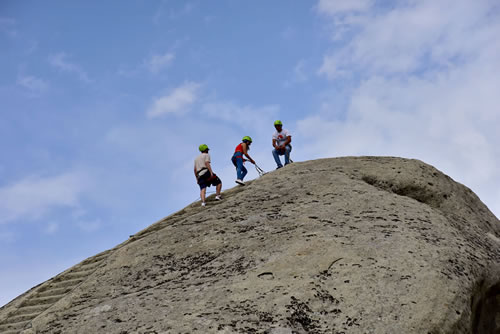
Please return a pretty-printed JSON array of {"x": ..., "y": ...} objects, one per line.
[
  {"x": 406, "y": 38},
  {"x": 335, "y": 7},
  {"x": 418, "y": 89},
  {"x": 159, "y": 62},
  {"x": 33, "y": 197},
  {"x": 35, "y": 86},
  {"x": 178, "y": 101},
  {"x": 60, "y": 62}
]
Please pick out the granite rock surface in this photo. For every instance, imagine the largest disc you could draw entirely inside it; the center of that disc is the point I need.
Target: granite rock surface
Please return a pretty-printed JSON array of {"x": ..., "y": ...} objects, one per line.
[{"x": 344, "y": 245}]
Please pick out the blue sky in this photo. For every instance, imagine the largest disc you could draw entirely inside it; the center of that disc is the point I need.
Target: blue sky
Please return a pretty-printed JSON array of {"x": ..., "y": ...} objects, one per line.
[{"x": 105, "y": 103}]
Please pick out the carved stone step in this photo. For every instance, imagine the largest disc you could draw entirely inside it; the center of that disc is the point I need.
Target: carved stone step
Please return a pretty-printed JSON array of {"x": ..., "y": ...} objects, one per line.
[
  {"x": 13, "y": 327},
  {"x": 28, "y": 309},
  {"x": 42, "y": 300},
  {"x": 53, "y": 292},
  {"x": 78, "y": 274},
  {"x": 20, "y": 318},
  {"x": 90, "y": 265},
  {"x": 66, "y": 283}
]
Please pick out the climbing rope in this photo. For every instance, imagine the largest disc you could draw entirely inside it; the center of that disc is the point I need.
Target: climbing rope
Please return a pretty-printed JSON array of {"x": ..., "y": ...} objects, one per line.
[{"x": 259, "y": 170}]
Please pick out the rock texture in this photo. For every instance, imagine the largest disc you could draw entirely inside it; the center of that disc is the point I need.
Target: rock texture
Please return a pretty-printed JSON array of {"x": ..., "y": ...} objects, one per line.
[{"x": 345, "y": 245}]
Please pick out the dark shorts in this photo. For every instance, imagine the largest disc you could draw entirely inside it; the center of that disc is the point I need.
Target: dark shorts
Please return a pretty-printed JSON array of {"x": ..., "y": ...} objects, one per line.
[{"x": 206, "y": 181}]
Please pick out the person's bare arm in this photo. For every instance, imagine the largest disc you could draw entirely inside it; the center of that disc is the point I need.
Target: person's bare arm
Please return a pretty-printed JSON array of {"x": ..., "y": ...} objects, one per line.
[
  {"x": 274, "y": 144},
  {"x": 288, "y": 141},
  {"x": 245, "y": 152},
  {"x": 207, "y": 164}
]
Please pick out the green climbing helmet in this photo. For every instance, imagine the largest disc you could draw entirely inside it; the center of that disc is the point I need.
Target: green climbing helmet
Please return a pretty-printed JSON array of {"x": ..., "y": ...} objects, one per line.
[
  {"x": 278, "y": 122},
  {"x": 203, "y": 147},
  {"x": 246, "y": 139}
]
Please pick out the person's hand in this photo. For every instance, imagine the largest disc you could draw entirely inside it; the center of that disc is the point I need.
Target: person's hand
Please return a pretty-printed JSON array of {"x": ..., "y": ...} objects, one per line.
[{"x": 252, "y": 161}]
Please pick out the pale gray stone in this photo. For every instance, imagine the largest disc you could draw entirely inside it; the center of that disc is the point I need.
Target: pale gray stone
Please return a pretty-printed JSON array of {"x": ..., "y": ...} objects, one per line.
[{"x": 280, "y": 330}]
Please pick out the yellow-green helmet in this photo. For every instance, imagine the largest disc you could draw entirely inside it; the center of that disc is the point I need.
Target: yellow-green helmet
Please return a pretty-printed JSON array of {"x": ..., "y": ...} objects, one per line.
[
  {"x": 278, "y": 122},
  {"x": 203, "y": 147},
  {"x": 247, "y": 139}
]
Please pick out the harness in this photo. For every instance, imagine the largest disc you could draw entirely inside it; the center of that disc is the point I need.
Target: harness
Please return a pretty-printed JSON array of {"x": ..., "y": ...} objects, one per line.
[
  {"x": 201, "y": 170},
  {"x": 238, "y": 153}
]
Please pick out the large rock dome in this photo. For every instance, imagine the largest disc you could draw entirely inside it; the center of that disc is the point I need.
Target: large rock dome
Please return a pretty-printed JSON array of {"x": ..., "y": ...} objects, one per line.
[{"x": 345, "y": 245}]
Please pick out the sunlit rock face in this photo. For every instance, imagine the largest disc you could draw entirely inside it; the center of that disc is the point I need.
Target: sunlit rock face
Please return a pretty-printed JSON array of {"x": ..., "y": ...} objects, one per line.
[{"x": 346, "y": 245}]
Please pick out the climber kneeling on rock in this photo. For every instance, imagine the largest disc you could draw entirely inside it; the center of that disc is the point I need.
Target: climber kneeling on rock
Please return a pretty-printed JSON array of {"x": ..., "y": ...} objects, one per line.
[
  {"x": 205, "y": 176},
  {"x": 238, "y": 160},
  {"x": 281, "y": 143}
]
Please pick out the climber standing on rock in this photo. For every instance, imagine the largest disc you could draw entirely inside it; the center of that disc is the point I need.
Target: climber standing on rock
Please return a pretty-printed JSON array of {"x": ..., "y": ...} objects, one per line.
[
  {"x": 281, "y": 143},
  {"x": 205, "y": 177},
  {"x": 238, "y": 160}
]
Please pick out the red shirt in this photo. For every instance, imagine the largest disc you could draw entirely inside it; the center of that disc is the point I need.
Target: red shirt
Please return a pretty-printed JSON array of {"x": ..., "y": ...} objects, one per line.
[{"x": 239, "y": 148}]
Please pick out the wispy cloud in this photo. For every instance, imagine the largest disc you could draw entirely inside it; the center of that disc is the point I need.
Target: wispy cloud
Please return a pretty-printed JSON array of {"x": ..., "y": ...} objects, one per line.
[
  {"x": 8, "y": 27},
  {"x": 178, "y": 101},
  {"x": 89, "y": 226},
  {"x": 60, "y": 62},
  {"x": 51, "y": 228},
  {"x": 417, "y": 88},
  {"x": 335, "y": 7},
  {"x": 249, "y": 117},
  {"x": 34, "y": 85},
  {"x": 412, "y": 36},
  {"x": 299, "y": 74},
  {"x": 157, "y": 63},
  {"x": 172, "y": 13},
  {"x": 33, "y": 197}
]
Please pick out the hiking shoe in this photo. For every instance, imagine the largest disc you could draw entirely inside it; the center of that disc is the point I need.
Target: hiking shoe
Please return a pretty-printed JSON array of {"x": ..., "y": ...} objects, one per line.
[
  {"x": 240, "y": 182},
  {"x": 218, "y": 198},
  {"x": 203, "y": 203},
  {"x": 279, "y": 167}
]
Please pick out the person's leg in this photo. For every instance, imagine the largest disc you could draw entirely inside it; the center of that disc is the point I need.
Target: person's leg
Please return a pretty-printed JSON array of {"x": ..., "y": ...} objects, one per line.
[
  {"x": 218, "y": 186},
  {"x": 234, "y": 161},
  {"x": 243, "y": 171},
  {"x": 277, "y": 158},
  {"x": 239, "y": 169},
  {"x": 287, "y": 154},
  {"x": 203, "y": 194}
]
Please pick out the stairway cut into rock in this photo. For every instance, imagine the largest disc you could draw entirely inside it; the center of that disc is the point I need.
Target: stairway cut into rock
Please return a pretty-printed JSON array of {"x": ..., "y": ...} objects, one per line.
[{"x": 50, "y": 293}]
